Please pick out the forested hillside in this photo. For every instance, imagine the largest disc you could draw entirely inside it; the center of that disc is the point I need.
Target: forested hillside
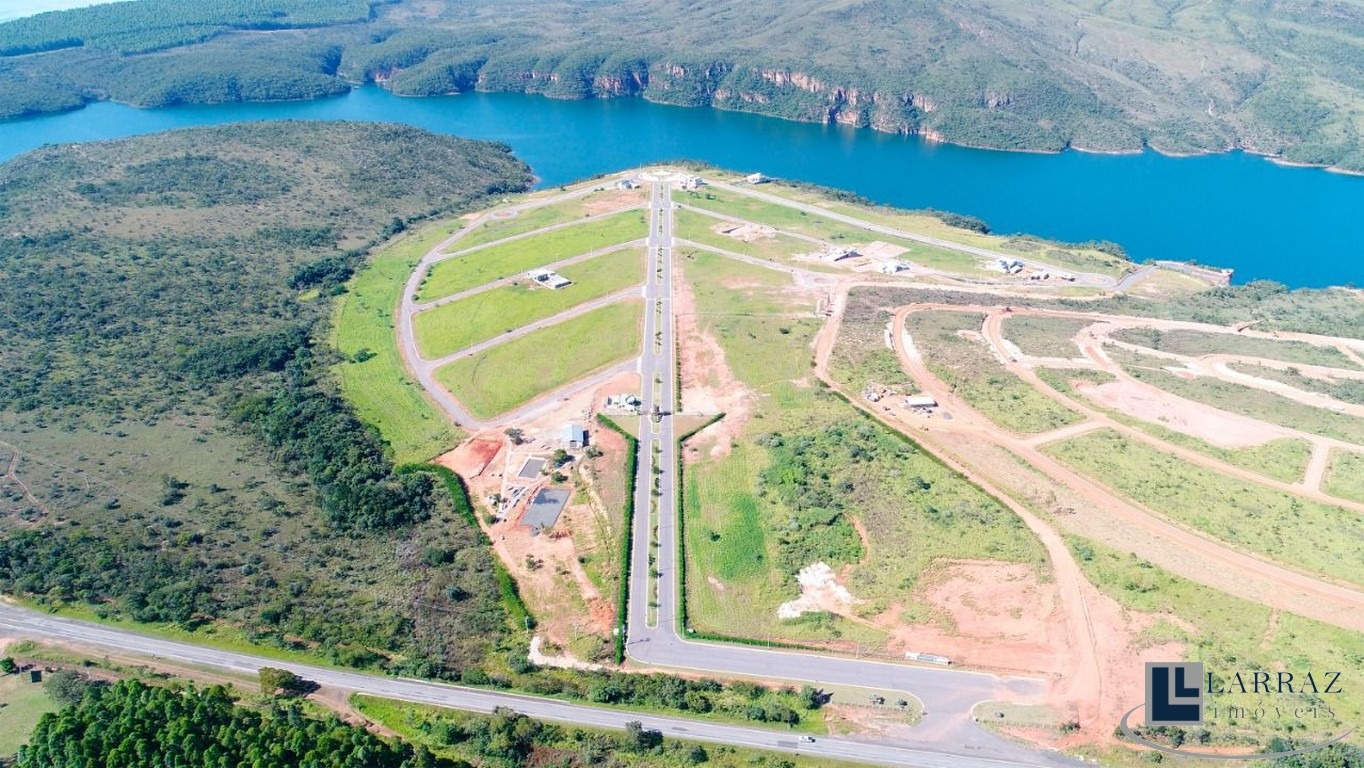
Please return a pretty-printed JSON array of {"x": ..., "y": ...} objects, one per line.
[
  {"x": 176, "y": 448},
  {"x": 1275, "y": 77}
]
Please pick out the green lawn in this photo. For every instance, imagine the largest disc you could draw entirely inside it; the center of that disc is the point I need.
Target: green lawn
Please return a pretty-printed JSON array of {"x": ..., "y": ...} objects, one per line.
[
  {"x": 1042, "y": 336},
  {"x": 372, "y": 376},
  {"x": 461, "y": 324},
  {"x": 21, "y": 705},
  {"x": 1196, "y": 343},
  {"x": 480, "y": 267},
  {"x": 973, "y": 372},
  {"x": 1345, "y": 478},
  {"x": 1309, "y": 535},
  {"x": 698, "y": 227},
  {"x": 511, "y": 374}
]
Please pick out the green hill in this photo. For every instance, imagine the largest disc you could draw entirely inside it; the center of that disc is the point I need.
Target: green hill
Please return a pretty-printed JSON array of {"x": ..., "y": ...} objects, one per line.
[
  {"x": 176, "y": 447},
  {"x": 1273, "y": 77}
]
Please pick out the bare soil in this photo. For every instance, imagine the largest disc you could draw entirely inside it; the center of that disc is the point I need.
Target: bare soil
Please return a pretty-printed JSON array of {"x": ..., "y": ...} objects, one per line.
[
  {"x": 1142, "y": 401},
  {"x": 605, "y": 202},
  {"x": 994, "y": 615},
  {"x": 708, "y": 385},
  {"x": 471, "y": 458}
]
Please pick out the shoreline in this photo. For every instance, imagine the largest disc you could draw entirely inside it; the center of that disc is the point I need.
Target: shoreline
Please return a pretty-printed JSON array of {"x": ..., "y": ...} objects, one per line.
[{"x": 927, "y": 136}]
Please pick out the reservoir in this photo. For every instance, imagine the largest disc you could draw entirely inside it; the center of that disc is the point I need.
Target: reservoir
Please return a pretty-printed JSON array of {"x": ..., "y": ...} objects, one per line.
[{"x": 1298, "y": 226}]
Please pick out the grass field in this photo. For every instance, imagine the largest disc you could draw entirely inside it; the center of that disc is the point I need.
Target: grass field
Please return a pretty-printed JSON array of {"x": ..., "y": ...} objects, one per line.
[
  {"x": 511, "y": 374},
  {"x": 1312, "y": 536},
  {"x": 494, "y": 263},
  {"x": 742, "y": 539},
  {"x": 1247, "y": 401},
  {"x": 698, "y": 227},
  {"x": 21, "y": 705},
  {"x": 1064, "y": 255},
  {"x": 1196, "y": 343},
  {"x": 1228, "y": 633},
  {"x": 973, "y": 372},
  {"x": 1042, "y": 336},
  {"x": 460, "y": 324},
  {"x": 788, "y": 219},
  {"x": 1345, "y": 390},
  {"x": 372, "y": 376},
  {"x": 532, "y": 219},
  {"x": 1345, "y": 477}
]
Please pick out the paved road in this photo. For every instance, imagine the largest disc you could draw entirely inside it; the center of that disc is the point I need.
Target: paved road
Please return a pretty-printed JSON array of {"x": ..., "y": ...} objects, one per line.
[
  {"x": 22, "y": 622},
  {"x": 948, "y": 695}
]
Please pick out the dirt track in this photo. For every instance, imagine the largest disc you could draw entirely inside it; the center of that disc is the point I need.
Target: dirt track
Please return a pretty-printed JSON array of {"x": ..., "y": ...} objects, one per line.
[{"x": 1235, "y": 572}]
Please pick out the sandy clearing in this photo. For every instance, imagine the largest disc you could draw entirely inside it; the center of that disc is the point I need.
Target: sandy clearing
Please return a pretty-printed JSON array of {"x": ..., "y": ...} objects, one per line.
[
  {"x": 471, "y": 458},
  {"x": 819, "y": 591},
  {"x": 1145, "y": 402},
  {"x": 747, "y": 232},
  {"x": 880, "y": 250},
  {"x": 708, "y": 385},
  {"x": 605, "y": 202}
]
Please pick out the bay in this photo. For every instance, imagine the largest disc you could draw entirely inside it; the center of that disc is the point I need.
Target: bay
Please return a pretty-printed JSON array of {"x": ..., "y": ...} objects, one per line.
[{"x": 1298, "y": 226}]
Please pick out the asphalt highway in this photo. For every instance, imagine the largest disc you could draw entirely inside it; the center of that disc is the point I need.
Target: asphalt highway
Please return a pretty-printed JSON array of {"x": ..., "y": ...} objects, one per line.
[{"x": 22, "y": 622}]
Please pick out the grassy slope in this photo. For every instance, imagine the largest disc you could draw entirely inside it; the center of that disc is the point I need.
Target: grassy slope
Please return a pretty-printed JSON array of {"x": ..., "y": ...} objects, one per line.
[
  {"x": 1312, "y": 536},
  {"x": 968, "y": 366},
  {"x": 513, "y": 373},
  {"x": 480, "y": 267},
  {"x": 1345, "y": 478},
  {"x": 21, "y": 704},
  {"x": 1229, "y": 633},
  {"x": 170, "y": 225},
  {"x": 1196, "y": 343},
  {"x": 733, "y": 531},
  {"x": 460, "y": 324},
  {"x": 1044, "y": 336},
  {"x": 380, "y": 389}
]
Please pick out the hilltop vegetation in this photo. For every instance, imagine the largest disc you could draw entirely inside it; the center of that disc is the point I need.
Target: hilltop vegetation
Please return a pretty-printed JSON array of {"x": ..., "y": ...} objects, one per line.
[
  {"x": 187, "y": 456},
  {"x": 1273, "y": 77}
]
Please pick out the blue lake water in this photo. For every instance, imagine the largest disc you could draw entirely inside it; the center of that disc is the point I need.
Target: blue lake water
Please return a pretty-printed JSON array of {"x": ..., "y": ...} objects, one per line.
[{"x": 1299, "y": 226}]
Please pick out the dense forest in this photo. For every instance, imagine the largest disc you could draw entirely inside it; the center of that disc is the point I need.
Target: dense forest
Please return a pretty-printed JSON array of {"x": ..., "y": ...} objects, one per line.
[
  {"x": 132, "y": 725},
  {"x": 1277, "y": 77},
  {"x": 186, "y": 454}
]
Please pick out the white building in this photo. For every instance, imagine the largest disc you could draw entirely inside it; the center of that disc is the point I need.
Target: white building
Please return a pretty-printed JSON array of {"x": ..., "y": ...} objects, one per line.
[
  {"x": 894, "y": 268},
  {"x": 921, "y": 401},
  {"x": 627, "y": 184},
  {"x": 549, "y": 279},
  {"x": 693, "y": 183},
  {"x": 756, "y": 178}
]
